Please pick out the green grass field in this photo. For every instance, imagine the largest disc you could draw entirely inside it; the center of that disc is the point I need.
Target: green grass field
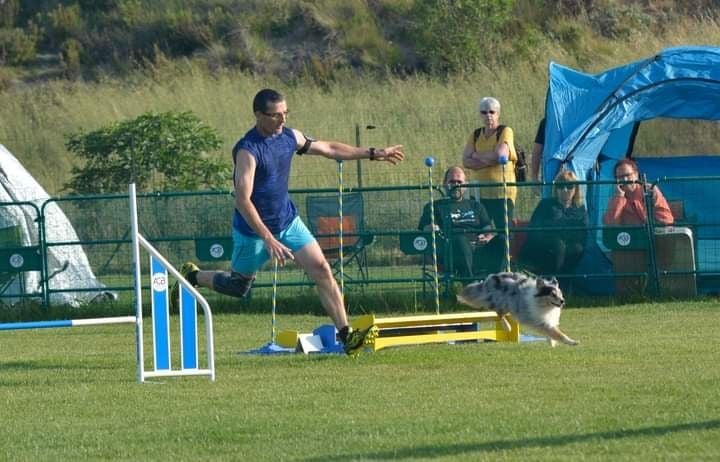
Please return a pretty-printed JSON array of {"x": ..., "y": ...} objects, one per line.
[{"x": 642, "y": 385}]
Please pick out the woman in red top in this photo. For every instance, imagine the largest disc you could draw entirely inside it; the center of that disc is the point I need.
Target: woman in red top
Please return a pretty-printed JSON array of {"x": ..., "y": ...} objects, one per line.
[{"x": 627, "y": 206}]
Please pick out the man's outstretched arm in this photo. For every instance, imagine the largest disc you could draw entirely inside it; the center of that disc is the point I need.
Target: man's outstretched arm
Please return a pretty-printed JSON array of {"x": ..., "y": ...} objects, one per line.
[{"x": 341, "y": 151}]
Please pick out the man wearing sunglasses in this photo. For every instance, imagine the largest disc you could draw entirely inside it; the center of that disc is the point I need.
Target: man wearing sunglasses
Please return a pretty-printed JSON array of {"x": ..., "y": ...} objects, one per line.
[
  {"x": 266, "y": 224},
  {"x": 474, "y": 249},
  {"x": 627, "y": 206}
]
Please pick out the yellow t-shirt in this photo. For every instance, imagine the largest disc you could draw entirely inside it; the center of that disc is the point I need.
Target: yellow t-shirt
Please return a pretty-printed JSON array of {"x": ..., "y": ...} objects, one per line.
[{"x": 494, "y": 173}]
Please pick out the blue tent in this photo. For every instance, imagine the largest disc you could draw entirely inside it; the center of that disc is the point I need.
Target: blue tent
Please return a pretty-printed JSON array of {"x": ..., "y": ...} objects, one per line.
[
  {"x": 592, "y": 114},
  {"x": 592, "y": 120}
]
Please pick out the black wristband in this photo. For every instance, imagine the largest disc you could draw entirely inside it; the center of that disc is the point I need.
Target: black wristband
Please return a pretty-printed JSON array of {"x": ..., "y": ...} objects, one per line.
[
  {"x": 372, "y": 153},
  {"x": 306, "y": 146}
]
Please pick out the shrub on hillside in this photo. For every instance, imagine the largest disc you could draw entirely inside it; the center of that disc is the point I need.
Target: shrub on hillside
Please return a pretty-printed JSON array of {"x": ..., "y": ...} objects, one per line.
[
  {"x": 17, "y": 46},
  {"x": 60, "y": 24}
]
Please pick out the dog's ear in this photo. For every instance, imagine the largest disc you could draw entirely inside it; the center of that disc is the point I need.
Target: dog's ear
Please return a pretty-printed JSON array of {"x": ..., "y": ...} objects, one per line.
[{"x": 554, "y": 281}]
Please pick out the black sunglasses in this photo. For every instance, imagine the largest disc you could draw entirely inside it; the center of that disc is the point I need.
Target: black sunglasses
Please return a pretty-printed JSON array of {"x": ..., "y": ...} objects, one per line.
[
  {"x": 276, "y": 115},
  {"x": 566, "y": 187},
  {"x": 487, "y": 112}
]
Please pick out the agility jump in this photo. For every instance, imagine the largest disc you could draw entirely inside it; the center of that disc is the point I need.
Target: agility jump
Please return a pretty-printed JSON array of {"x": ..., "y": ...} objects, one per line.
[{"x": 189, "y": 364}]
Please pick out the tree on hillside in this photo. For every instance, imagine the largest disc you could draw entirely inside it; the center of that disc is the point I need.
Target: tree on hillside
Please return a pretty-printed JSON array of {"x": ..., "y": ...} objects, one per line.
[{"x": 161, "y": 152}]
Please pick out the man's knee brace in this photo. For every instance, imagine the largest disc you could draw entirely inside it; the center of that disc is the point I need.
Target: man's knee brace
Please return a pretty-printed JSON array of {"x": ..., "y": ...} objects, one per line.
[{"x": 235, "y": 285}]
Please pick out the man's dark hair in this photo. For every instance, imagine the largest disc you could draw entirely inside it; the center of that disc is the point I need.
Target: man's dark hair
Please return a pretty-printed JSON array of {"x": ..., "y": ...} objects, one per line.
[{"x": 265, "y": 97}]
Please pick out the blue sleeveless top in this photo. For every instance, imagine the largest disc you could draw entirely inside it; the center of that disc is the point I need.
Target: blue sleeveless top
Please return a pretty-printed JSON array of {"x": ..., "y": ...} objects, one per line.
[{"x": 273, "y": 156}]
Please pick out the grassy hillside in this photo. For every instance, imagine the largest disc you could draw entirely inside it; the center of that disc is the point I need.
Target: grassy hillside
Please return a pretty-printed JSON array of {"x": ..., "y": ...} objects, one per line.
[
  {"x": 317, "y": 38},
  {"x": 431, "y": 114}
]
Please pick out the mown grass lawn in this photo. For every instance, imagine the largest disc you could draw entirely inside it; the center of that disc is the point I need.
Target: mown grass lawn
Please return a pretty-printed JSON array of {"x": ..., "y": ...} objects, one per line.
[{"x": 642, "y": 385}]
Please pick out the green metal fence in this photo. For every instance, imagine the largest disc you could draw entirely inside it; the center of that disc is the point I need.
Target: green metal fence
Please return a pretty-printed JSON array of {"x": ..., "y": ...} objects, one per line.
[{"x": 196, "y": 226}]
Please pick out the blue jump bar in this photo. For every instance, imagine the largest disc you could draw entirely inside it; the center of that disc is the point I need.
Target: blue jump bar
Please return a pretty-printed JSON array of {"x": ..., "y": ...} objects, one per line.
[
  {"x": 35, "y": 325},
  {"x": 67, "y": 323}
]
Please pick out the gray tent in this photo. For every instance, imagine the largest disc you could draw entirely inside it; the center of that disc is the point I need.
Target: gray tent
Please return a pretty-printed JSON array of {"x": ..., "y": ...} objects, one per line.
[{"x": 68, "y": 265}]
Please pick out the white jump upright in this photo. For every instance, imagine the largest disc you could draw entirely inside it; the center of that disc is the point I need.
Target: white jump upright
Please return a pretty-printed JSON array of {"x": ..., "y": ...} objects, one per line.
[{"x": 189, "y": 298}]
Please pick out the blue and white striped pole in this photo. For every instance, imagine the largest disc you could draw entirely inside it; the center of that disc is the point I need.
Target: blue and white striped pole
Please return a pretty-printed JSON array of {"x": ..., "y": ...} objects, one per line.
[
  {"x": 503, "y": 160},
  {"x": 430, "y": 162},
  {"x": 341, "y": 254},
  {"x": 273, "y": 315}
]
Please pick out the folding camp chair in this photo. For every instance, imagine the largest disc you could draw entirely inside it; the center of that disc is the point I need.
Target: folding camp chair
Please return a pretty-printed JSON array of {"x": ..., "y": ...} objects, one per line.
[{"x": 324, "y": 222}]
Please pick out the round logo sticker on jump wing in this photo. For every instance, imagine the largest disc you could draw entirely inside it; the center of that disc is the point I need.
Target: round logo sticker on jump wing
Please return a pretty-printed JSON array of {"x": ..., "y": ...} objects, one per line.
[
  {"x": 420, "y": 243},
  {"x": 217, "y": 250},
  {"x": 16, "y": 260},
  {"x": 159, "y": 282},
  {"x": 623, "y": 239}
]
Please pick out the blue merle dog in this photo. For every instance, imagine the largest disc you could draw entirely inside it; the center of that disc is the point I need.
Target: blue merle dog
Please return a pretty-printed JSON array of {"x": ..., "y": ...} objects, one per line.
[{"x": 532, "y": 301}]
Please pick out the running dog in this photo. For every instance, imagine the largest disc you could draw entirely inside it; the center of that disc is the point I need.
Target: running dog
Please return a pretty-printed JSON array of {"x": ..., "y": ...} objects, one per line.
[{"x": 532, "y": 301}]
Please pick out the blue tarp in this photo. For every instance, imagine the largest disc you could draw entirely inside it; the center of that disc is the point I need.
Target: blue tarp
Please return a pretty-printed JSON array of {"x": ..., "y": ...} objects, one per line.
[
  {"x": 591, "y": 121},
  {"x": 587, "y": 115}
]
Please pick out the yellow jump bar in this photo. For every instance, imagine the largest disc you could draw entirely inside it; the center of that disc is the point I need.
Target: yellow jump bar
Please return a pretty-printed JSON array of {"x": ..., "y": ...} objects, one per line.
[{"x": 442, "y": 328}]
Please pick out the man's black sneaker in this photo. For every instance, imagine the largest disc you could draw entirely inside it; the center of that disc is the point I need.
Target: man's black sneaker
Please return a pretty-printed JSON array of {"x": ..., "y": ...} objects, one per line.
[
  {"x": 185, "y": 270},
  {"x": 355, "y": 341}
]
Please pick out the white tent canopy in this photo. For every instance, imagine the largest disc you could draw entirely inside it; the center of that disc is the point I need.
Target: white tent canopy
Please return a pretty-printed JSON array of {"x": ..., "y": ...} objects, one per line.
[{"x": 68, "y": 265}]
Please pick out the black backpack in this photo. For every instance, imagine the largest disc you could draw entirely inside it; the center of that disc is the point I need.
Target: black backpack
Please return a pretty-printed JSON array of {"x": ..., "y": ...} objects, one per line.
[{"x": 520, "y": 165}]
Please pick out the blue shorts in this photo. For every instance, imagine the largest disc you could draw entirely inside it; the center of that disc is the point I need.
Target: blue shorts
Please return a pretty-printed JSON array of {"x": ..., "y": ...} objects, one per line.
[{"x": 250, "y": 254}]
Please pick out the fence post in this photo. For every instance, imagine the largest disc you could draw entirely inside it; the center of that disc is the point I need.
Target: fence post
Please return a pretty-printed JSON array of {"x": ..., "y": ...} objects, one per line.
[{"x": 653, "y": 275}]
